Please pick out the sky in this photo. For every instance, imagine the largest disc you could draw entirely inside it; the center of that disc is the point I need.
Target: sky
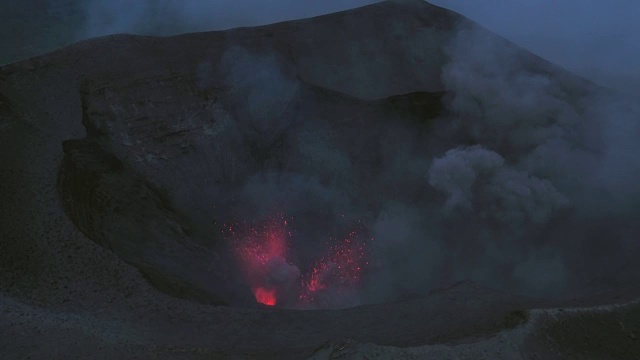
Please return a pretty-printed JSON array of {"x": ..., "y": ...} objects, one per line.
[{"x": 596, "y": 39}]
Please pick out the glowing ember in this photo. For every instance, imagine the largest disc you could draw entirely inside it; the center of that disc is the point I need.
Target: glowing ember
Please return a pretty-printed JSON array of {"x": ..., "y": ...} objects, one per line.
[
  {"x": 340, "y": 269},
  {"x": 262, "y": 249},
  {"x": 265, "y": 296}
]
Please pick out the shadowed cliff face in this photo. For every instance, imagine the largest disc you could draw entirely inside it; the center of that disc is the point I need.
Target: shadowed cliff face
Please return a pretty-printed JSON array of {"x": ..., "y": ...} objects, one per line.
[
  {"x": 250, "y": 127},
  {"x": 130, "y": 217},
  {"x": 166, "y": 163},
  {"x": 440, "y": 150},
  {"x": 508, "y": 171},
  {"x": 6, "y": 113}
]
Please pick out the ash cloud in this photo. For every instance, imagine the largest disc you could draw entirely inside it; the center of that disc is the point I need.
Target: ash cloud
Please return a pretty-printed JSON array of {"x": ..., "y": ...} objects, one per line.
[
  {"x": 595, "y": 39},
  {"x": 526, "y": 185},
  {"x": 479, "y": 181},
  {"x": 545, "y": 188},
  {"x": 603, "y": 48}
]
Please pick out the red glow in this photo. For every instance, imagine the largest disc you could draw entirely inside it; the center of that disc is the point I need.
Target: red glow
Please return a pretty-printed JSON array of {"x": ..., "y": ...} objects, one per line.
[
  {"x": 261, "y": 250},
  {"x": 340, "y": 268},
  {"x": 265, "y": 296}
]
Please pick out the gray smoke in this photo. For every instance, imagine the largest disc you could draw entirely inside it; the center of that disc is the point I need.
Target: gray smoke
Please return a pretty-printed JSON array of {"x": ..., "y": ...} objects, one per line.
[
  {"x": 603, "y": 48},
  {"x": 527, "y": 185},
  {"x": 478, "y": 180},
  {"x": 592, "y": 38},
  {"x": 545, "y": 192}
]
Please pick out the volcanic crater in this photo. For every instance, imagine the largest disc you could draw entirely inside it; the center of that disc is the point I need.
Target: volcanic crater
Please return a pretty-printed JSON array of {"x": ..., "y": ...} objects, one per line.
[{"x": 350, "y": 164}]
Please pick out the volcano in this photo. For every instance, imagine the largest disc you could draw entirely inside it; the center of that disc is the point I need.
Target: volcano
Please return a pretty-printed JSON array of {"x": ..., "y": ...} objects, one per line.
[{"x": 187, "y": 196}]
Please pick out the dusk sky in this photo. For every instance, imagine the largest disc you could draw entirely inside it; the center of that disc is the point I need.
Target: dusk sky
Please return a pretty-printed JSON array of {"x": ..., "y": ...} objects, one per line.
[
  {"x": 595, "y": 38},
  {"x": 598, "y": 39}
]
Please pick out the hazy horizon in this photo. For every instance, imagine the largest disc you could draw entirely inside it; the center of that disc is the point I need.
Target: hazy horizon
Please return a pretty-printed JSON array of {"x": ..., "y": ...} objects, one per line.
[{"x": 594, "y": 39}]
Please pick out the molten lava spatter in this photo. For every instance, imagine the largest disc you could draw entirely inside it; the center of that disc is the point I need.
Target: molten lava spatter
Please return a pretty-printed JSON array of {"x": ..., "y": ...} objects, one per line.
[
  {"x": 265, "y": 296},
  {"x": 339, "y": 270},
  {"x": 262, "y": 252}
]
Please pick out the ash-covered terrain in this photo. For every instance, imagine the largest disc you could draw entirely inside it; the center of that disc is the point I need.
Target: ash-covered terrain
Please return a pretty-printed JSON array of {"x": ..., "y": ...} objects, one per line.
[{"x": 346, "y": 186}]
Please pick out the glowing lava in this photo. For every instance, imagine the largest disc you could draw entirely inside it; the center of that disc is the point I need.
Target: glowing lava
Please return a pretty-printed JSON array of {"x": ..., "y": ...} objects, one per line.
[
  {"x": 339, "y": 270},
  {"x": 261, "y": 250},
  {"x": 265, "y": 296}
]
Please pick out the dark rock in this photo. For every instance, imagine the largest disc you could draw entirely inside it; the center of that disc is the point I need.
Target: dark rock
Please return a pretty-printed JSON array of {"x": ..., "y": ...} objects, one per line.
[
  {"x": 177, "y": 124},
  {"x": 6, "y": 113},
  {"x": 127, "y": 215}
]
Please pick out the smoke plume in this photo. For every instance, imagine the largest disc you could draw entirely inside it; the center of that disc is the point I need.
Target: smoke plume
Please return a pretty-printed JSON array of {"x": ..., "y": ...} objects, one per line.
[{"x": 526, "y": 184}]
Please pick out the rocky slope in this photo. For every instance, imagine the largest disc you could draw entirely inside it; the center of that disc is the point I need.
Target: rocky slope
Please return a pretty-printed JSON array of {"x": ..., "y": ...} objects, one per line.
[
  {"x": 195, "y": 115},
  {"x": 110, "y": 140}
]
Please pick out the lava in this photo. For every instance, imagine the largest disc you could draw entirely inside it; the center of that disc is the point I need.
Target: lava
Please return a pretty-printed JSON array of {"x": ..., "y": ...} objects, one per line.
[
  {"x": 265, "y": 296},
  {"x": 262, "y": 252},
  {"x": 339, "y": 270}
]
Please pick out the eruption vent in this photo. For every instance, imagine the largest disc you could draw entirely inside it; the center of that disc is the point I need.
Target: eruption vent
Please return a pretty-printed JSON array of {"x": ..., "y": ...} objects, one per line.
[
  {"x": 263, "y": 255},
  {"x": 261, "y": 252},
  {"x": 338, "y": 272}
]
